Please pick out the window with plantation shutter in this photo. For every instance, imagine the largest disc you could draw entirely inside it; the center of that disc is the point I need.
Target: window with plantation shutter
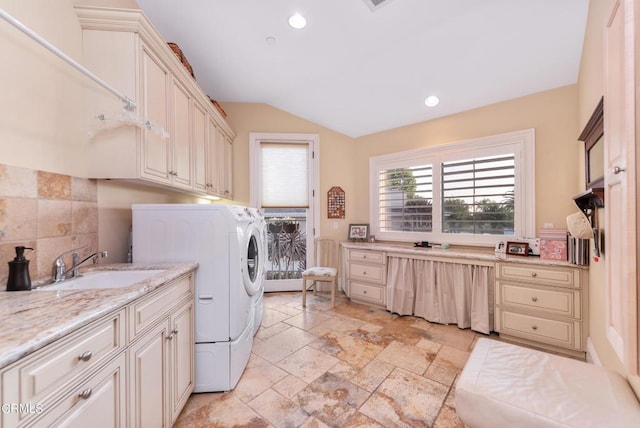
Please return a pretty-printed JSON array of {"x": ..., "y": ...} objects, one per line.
[
  {"x": 478, "y": 195},
  {"x": 406, "y": 196},
  {"x": 475, "y": 192}
]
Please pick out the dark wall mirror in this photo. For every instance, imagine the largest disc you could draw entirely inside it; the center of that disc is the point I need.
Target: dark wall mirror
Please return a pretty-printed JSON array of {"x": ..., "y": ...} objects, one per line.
[{"x": 593, "y": 137}]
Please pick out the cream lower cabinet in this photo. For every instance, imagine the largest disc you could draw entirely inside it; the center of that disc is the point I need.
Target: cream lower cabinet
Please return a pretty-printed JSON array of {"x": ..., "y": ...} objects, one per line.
[
  {"x": 544, "y": 306},
  {"x": 96, "y": 377},
  {"x": 367, "y": 276}
]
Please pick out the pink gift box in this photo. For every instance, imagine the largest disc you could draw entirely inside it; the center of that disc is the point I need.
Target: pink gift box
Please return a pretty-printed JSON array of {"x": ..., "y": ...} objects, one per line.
[{"x": 553, "y": 249}]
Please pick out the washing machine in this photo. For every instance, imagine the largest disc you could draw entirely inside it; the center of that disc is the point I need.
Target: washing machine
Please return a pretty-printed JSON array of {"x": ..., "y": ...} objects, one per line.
[{"x": 227, "y": 241}]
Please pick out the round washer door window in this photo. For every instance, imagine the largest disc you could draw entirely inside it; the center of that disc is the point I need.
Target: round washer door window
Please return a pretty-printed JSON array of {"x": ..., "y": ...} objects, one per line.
[{"x": 253, "y": 261}]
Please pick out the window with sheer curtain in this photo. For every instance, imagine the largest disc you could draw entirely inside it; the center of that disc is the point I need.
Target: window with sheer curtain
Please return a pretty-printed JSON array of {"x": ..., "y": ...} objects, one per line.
[{"x": 472, "y": 192}]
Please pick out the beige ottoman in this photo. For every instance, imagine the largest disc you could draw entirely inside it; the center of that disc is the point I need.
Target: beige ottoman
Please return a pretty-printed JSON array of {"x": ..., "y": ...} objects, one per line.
[{"x": 504, "y": 385}]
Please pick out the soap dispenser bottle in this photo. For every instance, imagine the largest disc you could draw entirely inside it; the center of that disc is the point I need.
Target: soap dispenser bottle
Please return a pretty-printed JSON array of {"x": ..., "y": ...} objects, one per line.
[{"x": 19, "y": 278}]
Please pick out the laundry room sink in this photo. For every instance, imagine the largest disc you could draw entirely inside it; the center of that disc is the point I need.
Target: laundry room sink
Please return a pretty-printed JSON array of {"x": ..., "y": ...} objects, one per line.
[{"x": 103, "y": 280}]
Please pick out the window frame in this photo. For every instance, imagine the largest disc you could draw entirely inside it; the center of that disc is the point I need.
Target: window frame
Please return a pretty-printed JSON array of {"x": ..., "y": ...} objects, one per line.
[{"x": 520, "y": 143}]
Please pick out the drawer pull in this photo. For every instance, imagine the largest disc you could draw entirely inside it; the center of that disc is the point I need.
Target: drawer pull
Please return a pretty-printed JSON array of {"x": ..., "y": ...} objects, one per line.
[
  {"x": 83, "y": 395},
  {"x": 534, "y": 299},
  {"x": 173, "y": 333},
  {"x": 85, "y": 356},
  {"x": 364, "y": 292},
  {"x": 364, "y": 257},
  {"x": 364, "y": 273},
  {"x": 534, "y": 327},
  {"x": 534, "y": 274}
]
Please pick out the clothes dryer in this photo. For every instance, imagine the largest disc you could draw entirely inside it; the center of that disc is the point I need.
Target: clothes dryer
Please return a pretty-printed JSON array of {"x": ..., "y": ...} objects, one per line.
[{"x": 227, "y": 243}]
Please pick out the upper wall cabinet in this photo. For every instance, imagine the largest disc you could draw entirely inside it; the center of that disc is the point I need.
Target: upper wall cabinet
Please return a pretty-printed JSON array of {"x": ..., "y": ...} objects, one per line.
[{"x": 175, "y": 137}]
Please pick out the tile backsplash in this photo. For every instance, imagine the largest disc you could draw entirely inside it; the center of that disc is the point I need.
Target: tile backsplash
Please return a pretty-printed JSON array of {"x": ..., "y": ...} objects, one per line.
[{"x": 52, "y": 213}]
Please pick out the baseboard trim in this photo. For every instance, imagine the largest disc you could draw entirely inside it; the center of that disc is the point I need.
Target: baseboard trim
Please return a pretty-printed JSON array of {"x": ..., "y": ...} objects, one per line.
[{"x": 592, "y": 354}]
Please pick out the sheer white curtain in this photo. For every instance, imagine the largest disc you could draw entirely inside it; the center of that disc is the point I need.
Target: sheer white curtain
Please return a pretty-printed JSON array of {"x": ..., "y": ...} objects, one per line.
[{"x": 442, "y": 292}]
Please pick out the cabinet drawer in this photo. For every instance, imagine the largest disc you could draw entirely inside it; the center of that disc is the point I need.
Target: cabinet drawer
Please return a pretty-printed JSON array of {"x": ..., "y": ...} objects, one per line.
[
  {"x": 36, "y": 379},
  {"x": 368, "y": 292},
  {"x": 104, "y": 404},
  {"x": 564, "y": 333},
  {"x": 367, "y": 256},
  {"x": 564, "y": 302},
  {"x": 549, "y": 275},
  {"x": 370, "y": 273},
  {"x": 147, "y": 311}
]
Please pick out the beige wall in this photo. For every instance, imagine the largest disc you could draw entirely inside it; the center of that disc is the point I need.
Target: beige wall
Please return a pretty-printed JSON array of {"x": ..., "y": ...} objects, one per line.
[
  {"x": 336, "y": 158},
  {"x": 552, "y": 114},
  {"x": 42, "y": 101}
]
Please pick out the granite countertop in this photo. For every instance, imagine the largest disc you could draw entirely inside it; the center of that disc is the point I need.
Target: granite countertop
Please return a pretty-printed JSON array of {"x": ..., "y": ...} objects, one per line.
[
  {"x": 33, "y": 319},
  {"x": 480, "y": 253}
]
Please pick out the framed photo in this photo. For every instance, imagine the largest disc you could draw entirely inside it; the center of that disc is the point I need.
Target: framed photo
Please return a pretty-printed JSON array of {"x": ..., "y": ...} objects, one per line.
[
  {"x": 517, "y": 249},
  {"x": 358, "y": 232}
]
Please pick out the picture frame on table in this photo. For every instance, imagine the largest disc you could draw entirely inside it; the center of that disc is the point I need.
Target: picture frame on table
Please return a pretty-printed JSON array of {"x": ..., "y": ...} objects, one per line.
[
  {"x": 517, "y": 249},
  {"x": 358, "y": 232}
]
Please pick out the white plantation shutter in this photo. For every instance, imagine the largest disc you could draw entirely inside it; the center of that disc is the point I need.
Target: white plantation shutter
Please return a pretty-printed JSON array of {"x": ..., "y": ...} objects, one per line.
[
  {"x": 284, "y": 175},
  {"x": 406, "y": 196},
  {"x": 478, "y": 195}
]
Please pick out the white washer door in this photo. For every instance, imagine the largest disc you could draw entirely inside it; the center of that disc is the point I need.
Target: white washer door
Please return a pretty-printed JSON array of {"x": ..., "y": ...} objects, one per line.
[{"x": 252, "y": 262}]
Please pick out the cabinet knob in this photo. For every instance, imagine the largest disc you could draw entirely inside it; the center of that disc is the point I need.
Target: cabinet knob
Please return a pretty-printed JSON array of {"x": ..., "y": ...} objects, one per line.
[
  {"x": 175, "y": 331},
  {"x": 170, "y": 337},
  {"x": 83, "y": 395},
  {"x": 364, "y": 257},
  {"x": 617, "y": 170},
  {"x": 534, "y": 299},
  {"x": 364, "y": 273},
  {"x": 534, "y": 274},
  {"x": 85, "y": 356},
  {"x": 534, "y": 327},
  {"x": 364, "y": 292}
]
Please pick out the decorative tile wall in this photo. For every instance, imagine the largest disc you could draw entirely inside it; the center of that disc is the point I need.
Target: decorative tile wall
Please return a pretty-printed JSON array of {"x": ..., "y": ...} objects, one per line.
[{"x": 52, "y": 213}]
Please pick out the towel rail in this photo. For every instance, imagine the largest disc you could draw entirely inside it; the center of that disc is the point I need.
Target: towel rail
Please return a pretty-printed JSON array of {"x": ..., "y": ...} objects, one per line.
[{"x": 129, "y": 103}]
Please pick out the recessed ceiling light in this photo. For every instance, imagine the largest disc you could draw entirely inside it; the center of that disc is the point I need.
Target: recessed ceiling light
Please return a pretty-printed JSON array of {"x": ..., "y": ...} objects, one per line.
[
  {"x": 297, "y": 21},
  {"x": 431, "y": 101},
  {"x": 270, "y": 40}
]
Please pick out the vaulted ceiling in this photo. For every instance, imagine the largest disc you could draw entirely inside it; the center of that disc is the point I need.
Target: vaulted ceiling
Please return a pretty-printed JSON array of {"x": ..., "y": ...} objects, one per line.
[{"x": 357, "y": 69}]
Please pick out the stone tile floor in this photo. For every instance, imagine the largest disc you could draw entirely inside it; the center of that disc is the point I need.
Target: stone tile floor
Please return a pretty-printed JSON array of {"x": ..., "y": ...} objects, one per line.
[{"x": 350, "y": 366}]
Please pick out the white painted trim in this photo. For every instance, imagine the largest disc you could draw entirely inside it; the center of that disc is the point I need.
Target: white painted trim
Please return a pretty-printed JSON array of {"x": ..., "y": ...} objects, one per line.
[
  {"x": 255, "y": 138},
  {"x": 592, "y": 354},
  {"x": 523, "y": 144}
]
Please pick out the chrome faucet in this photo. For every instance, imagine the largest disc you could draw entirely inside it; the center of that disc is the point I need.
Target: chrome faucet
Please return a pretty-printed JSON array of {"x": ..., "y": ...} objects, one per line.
[{"x": 60, "y": 271}]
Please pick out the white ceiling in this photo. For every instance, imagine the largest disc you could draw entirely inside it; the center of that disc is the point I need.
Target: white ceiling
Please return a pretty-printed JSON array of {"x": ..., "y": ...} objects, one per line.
[{"x": 359, "y": 71}]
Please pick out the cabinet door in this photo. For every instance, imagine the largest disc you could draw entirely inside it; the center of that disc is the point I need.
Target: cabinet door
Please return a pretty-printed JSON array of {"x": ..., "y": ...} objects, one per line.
[
  {"x": 212, "y": 159},
  {"x": 182, "y": 358},
  {"x": 155, "y": 147},
  {"x": 224, "y": 162},
  {"x": 620, "y": 184},
  {"x": 148, "y": 378},
  {"x": 181, "y": 136},
  {"x": 200, "y": 132}
]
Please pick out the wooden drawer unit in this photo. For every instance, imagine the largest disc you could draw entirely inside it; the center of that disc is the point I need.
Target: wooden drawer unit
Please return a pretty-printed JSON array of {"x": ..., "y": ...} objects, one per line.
[
  {"x": 368, "y": 292},
  {"x": 368, "y": 256},
  {"x": 148, "y": 310},
  {"x": 367, "y": 276},
  {"x": 558, "y": 332},
  {"x": 362, "y": 272},
  {"x": 554, "y": 301},
  {"x": 544, "y": 306},
  {"x": 41, "y": 377},
  {"x": 534, "y": 274}
]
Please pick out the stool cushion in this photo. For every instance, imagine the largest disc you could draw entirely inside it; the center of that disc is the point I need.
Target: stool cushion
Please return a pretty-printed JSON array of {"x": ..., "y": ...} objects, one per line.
[
  {"x": 320, "y": 271},
  {"x": 504, "y": 385}
]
